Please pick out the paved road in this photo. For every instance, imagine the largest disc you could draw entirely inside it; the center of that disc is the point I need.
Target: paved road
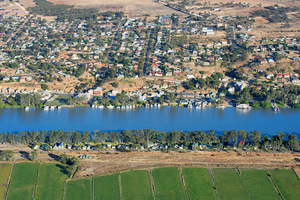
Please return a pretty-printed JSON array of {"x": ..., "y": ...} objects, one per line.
[
  {"x": 233, "y": 37},
  {"x": 147, "y": 53},
  {"x": 9, "y": 39},
  {"x": 115, "y": 38}
]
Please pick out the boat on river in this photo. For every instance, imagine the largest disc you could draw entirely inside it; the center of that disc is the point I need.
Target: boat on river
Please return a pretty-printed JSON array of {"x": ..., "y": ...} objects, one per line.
[
  {"x": 243, "y": 106},
  {"x": 221, "y": 106}
]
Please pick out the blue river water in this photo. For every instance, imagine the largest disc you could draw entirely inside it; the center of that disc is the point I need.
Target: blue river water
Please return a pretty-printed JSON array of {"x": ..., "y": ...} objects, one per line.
[{"x": 161, "y": 119}]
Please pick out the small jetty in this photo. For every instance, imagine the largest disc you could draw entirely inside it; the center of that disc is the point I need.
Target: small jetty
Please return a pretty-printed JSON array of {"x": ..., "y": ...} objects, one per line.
[{"x": 275, "y": 108}]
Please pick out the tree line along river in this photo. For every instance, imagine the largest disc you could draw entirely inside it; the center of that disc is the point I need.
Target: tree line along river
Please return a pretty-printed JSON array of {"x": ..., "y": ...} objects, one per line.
[{"x": 162, "y": 119}]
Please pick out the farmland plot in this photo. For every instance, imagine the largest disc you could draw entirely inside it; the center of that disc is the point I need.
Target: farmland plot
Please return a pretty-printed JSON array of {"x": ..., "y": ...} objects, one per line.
[
  {"x": 107, "y": 187},
  {"x": 259, "y": 184},
  {"x": 51, "y": 180},
  {"x": 287, "y": 183},
  {"x": 229, "y": 184},
  {"x": 23, "y": 181},
  {"x": 136, "y": 185},
  {"x": 5, "y": 169},
  {"x": 167, "y": 184},
  {"x": 198, "y": 184},
  {"x": 79, "y": 189}
]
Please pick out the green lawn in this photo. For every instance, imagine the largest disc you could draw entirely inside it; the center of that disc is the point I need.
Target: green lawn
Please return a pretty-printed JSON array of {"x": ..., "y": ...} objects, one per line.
[
  {"x": 167, "y": 184},
  {"x": 107, "y": 187},
  {"x": 5, "y": 169},
  {"x": 198, "y": 184},
  {"x": 22, "y": 181},
  {"x": 51, "y": 180},
  {"x": 79, "y": 189},
  {"x": 136, "y": 185},
  {"x": 229, "y": 184},
  {"x": 287, "y": 183},
  {"x": 259, "y": 184}
]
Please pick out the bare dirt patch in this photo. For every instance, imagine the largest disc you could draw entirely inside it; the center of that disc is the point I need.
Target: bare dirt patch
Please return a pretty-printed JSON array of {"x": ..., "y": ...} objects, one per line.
[
  {"x": 27, "y": 3},
  {"x": 297, "y": 170},
  {"x": 129, "y": 7}
]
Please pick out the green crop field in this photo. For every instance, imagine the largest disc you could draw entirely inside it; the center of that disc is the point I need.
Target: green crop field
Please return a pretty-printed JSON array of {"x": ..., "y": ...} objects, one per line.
[
  {"x": 107, "y": 187},
  {"x": 22, "y": 181},
  {"x": 167, "y": 184},
  {"x": 79, "y": 189},
  {"x": 229, "y": 184},
  {"x": 287, "y": 183},
  {"x": 259, "y": 184},
  {"x": 50, "y": 183},
  {"x": 5, "y": 169},
  {"x": 198, "y": 184},
  {"x": 136, "y": 185}
]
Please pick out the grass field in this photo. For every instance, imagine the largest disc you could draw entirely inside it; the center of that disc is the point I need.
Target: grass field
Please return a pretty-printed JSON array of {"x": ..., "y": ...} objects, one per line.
[
  {"x": 5, "y": 169},
  {"x": 259, "y": 184},
  {"x": 107, "y": 187},
  {"x": 229, "y": 184},
  {"x": 167, "y": 184},
  {"x": 79, "y": 189},
  {"x": 198, "y": 184},
  {"x": 287, "y": 183},
  {"x": 50, "y": 183},
  {"x": 22, "y": 181},
  {"x": 136, "y": 185}
]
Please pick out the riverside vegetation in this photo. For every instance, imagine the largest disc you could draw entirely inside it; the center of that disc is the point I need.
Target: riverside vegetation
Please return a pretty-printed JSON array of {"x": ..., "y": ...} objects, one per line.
[{"x": 129, "y": 140}]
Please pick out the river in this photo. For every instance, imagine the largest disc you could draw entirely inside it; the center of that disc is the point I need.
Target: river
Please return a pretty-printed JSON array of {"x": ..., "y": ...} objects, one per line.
[{"x": 161, "y": 119}]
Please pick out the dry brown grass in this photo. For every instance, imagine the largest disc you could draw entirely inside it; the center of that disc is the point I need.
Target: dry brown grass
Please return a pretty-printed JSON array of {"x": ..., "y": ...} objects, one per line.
[
  {"x": 27, "y": 3},
  {"x": 108, "y": 163}
]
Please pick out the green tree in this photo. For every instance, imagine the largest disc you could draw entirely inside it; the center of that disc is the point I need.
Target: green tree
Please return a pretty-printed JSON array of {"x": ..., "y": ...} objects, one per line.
[
  {"x": 33, "y": 155},
  {"x": 6, "y": 155},
  {"x": 44, "y": 86},
  {"x": 292, "y": 142}
]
